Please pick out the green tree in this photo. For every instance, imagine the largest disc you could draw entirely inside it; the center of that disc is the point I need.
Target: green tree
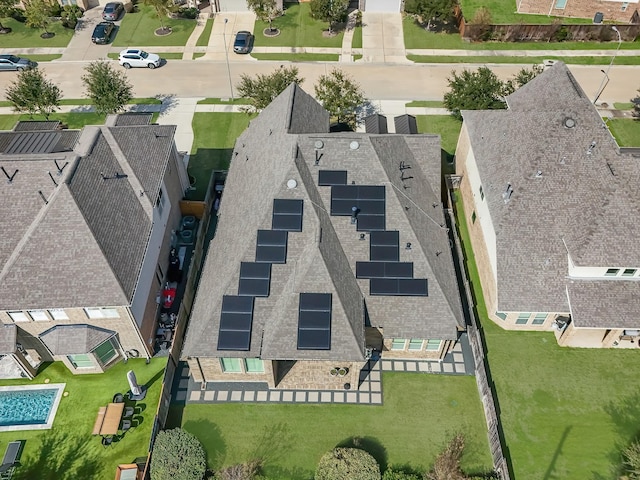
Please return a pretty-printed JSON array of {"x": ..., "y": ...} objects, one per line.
[
  {"x": 479, "y": 90},
  {"x": 263, "y": 89},
  {"x": 340, "y": 96},
  {"x": 332, "y": 11},
  {"x": 162, "y": 8},
  {"x": 7, "y": 7},
  {"x": 70, "y": 15},
  {"x": 32, "y": 93},
  {"x": 108, "y": 88},
  {"x": 524, "y": 76},
  {"x": 177, "y": 455},
  {"x": 265, "y": 10},
  {"x": 440, "y": 10},
  {"x": 351, "y": 463},
  {"x": 37, "y": 15},
  {"x": 636, "y": 106}
]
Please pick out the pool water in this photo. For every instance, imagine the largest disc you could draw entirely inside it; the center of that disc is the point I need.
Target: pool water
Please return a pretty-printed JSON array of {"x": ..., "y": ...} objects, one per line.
[{"x": 26, "y": 407}]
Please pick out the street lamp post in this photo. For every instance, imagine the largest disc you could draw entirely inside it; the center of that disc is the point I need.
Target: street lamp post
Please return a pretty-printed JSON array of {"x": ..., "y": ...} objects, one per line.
[
  {"x": 226, "y": 56},
  {"x": 605, "y": 79}
]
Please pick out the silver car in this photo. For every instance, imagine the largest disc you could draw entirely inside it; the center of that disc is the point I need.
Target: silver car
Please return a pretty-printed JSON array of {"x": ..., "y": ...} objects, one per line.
[
  {"x": 11, "y": 62},
  {"x": 134, "y": 57}
]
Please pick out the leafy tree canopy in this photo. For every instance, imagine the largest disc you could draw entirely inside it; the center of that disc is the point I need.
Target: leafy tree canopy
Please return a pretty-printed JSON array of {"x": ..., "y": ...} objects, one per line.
[
  {"x": 37, "y": 14},
  {"x": 177, "y": 455},
  {"x": 351, "y": 463},
  {"x": 479, "y": 90},
  {"x": 524, "y": 76},
  {"x": 332, "y": 11},
  {"x": 108, "y": 88},
  {"x": 432, "y": 9},
  {"x": 7, "y": 7},
  {"x": 162, "y": 8},
  {"x": 32, "y": 93},
  {"x": 340, "y": 96},
  {"x": 636, "y": 106},
  {"x": 265, "y": 10},
  {"x": 263, "y": 89}
]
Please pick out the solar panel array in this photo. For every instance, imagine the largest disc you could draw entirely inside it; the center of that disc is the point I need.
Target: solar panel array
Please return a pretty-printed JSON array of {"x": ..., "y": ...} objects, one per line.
[
  {"x": 255, "y": 279},
  {"x": 236, "y": 321},
  {"x": 314, "y": 321},
  {"x": 287, "y": 215},
  {"x": 271, "y": 246},
  {"x": 369, "y": 201},
  {"x": 332, "y": 177}
]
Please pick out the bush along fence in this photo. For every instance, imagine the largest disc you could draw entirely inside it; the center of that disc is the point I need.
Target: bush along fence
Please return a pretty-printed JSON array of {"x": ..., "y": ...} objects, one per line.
[
  {"x": 485, "y": 385},
  {"x": 556, "y": 32}
]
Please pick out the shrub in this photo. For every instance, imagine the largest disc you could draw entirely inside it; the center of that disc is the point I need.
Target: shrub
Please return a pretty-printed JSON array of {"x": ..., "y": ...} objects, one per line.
[
  {"x": 70, "y": 15},
  {"x": 393, "y": 474},
  {"x": 190, "y": 13},
  {"x": 177, "y": 455},
  {"x": 351, "y": 463},
  {"x": 447, "y": 464},
  {"x": 243, "y": 471}
]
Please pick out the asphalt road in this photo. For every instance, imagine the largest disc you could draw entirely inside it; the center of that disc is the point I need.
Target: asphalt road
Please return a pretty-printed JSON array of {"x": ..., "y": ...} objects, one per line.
[{"x": 379, "y": 81}]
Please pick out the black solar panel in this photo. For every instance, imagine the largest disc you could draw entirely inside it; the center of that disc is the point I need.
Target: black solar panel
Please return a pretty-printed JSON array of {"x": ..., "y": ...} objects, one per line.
[
  {"x": 390, "y": 237},
  {"x": 369, "y": 199},
  {"x": 255, "y": 279},
  {"x": 332, "y": 177},
  {"x": 370, "y": 223},
  {"x": 236, "y": 321},
  {"x": 384, "y": 270},
  {"x": 287, "y": 215},
  {"x": 383, "y": 253},
  {"x": 415, "y": 287},
  {"x": 271, "y": 246},
  {"x": 314, "y": 321}
]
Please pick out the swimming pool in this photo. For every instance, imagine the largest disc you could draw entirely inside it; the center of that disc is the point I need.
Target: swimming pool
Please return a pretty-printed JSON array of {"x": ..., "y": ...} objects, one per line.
[{"x": 29, "y": 407}]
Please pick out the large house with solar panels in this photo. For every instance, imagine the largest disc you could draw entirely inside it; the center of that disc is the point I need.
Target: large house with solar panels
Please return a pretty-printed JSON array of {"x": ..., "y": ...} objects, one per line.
[
  {"x": 86, "y": 220},
  {"x": 330, "y": 248},
  {"x": 552, "y": 206}
]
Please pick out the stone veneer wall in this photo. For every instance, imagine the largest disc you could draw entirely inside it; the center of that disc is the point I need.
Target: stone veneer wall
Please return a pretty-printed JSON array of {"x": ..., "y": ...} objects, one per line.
[{"x": 316, "y": 375}]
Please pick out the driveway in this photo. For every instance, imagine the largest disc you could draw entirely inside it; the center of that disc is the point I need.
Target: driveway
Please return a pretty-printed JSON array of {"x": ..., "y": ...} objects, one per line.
[
  {"x": 81, "y": 47},
  {"x": 223, "y": 33},
  {"x": 382, "y": 38}
]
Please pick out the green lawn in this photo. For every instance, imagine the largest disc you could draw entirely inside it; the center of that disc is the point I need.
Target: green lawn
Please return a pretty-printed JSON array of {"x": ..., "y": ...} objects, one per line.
[
  {"x": 44, "y": 57},
  {"x": 357, "y": 38},
  {"x": 524, "y": 60},
  {"x": 626, "y": 131},
  {"x": 74, "y": 120},
  {"x": 449, "y": 130},
  {"x": 298, "y": 57},
  {"x": 68, "y": 451},
  {"x": 504, "y": 11},
  {"x": 623, "y": 105},
  {"x": 297, "y": 29},
  {"x": 415, "y": 36},
  {"x": 426, "y": 103},
  {"x": 203, "y": 39},
  {"x": 22, "y": 36},
  {"x": 566, "y": 412},
  {"x": 420, "y": 414},
  {"x": 214, "y": 137},
  {"x": 138, "y": 28}
]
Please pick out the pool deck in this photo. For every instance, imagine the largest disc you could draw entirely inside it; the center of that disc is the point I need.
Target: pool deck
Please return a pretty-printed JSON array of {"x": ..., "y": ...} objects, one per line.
[{"x": 30, "y": 388}]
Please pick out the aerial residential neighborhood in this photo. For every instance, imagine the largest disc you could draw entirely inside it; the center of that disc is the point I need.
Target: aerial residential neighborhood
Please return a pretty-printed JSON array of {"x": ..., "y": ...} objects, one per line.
[{"x": 377, "y": 240}]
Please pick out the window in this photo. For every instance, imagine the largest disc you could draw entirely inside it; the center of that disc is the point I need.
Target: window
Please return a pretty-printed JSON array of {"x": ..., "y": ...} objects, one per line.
[
  {"x": 18, "y": 316},
  {"x": 80, "y": 361},
  {"x": 415, "y": 344},
  {"x": 560, "y": 4},
  {"x": 58, "y": 314},
  {"x": 398, "y": 343},
  {"x": 101, "y": 312},
  {"x": 38, "y": 315},
  {"x": 539, "y": 318},
  {"x": 481, "y": 193},
  {"x": 523, "y": 318},
  {"x": 612, "y": 272},
  {"x": 624, "y": 6},
  {"x": 253, "y": 365},
  {"x": 160, "y": 202},
  {"x": 473, "y": 217},
  {"x": 159, "y": 274},
  {"x": 106, "y": 352},
  {"x": 433, "y": 345},
  {"x": 629, "y": 272},
  {"x": 230, "y": 365},
  {"x": 501, "y": 315}
]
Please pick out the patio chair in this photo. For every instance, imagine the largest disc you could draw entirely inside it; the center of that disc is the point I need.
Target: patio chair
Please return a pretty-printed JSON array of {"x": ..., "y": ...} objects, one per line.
[
  {"x": 128, "y": 412},
  {"x": 107, "y": 441},
  {"x": 126, "y": 425},
  {"x": 10, "y": 460},
  {"x": 118, "y": 398}
]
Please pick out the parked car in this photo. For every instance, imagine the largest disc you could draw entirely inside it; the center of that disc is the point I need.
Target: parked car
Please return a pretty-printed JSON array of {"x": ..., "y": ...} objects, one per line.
[
  {"x": 11, "y": 62},
  {"x": 133, "y": 57},
  {"x": 102, "y": 33},
  {"x": 112, "y": 11},
  {"x": 243, "y": 42}
]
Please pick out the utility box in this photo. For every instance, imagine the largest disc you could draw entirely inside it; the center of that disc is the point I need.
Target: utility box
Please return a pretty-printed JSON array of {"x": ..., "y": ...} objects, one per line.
[{"x": 598, "y": 18}]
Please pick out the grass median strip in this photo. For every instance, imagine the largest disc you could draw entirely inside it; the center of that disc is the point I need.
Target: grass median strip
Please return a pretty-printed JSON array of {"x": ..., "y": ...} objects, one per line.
[
  {"x": 515, "y": 59},
  {"x": 223, "y": 101},
  {"x": 298, "y": 57},
  {"x": 203, "y": 39}
]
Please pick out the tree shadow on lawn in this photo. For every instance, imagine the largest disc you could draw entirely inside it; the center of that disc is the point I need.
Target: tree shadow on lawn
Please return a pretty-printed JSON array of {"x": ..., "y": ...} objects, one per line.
[
  {"x": 625, "y": 415},
  {"x": 211, "y": 438},
  {"x": 370, "y": 445}
]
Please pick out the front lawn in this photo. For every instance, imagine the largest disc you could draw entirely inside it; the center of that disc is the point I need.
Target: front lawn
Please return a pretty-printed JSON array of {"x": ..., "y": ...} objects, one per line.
[
  {"x": 626, "y": 131},
  {"x": 68, "y": 450},
  {"x": 523, "y": 60},
  {"x": 297, "y": 29},
  {"x": 566, "y": 412},
  {"x": 420, "y": 414},
  {"x": 22, "y": 36},
  {"x": 137, "y": 28},
  {"x": 298, "y": 57},
  {"x": 214, "y": 137}
]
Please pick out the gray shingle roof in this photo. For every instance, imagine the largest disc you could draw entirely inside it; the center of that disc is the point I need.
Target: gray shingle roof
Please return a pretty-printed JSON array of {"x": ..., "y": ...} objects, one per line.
[
  {"x": 74, "y": 339},
  {"x": 8, "y": 336},
  {"x": 322, "y": 257},
  {"x": 567, "y": 196},
  {"x": 129, "y": 119},
  {"x": 604, "y": 303},
  {"x": 36, "y": 125}
]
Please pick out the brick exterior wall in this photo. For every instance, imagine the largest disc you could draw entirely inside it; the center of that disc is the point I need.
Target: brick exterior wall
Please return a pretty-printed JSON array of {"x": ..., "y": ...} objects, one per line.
[
  {"x": 612, "y": 10},
  {"x": 210, "y": 370}
]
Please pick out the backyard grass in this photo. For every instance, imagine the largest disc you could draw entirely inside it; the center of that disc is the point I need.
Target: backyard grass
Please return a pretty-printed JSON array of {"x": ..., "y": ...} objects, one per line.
[
  {"x": 137, "y": 28},
  {"x": 505, "y": 11},
  {"x": 566, "y": 412},
  {"x": 68, "y": 451},
  {"x": 74, "y": 120},
  {"x": 448, "y": 128},
  {"x": 415, "y": 37},
  {"x": 298, "y": 57},
  {"x": 297, "y": 29},
  {"x": 214, "y": 137},
  {"x": 420, "y": 414},
  {"x": 524, "y": 60},
  {"x": 203, "y": 39},
  {"x": 626, "y": 131},
  {"x": 22, "y": 36}
]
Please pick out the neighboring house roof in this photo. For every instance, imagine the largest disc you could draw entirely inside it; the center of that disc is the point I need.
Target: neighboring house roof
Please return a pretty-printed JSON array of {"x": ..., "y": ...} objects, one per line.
[
  {"x": 75, "y": 230},
  {"x": 269, "y": 162},
  {"x": 75, "y": 339},
  {"x": 35, "y": 125},
  {"x": 130, "y": 119},
  {"x": 8, "y": 336},
  {"x": 556, "y": 185}
]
